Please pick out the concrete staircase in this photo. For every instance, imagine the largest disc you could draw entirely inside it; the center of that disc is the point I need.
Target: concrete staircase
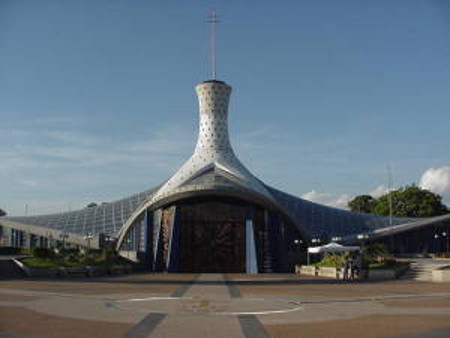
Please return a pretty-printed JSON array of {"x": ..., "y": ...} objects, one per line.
[{"x": 421, "y": 271}]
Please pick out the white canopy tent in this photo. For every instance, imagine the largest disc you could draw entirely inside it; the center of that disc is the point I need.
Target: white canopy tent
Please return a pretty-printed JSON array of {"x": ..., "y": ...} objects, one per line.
[{"x": 332, "y": 248}]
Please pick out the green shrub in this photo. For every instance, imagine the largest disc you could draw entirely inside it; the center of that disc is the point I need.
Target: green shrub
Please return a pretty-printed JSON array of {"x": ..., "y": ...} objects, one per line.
[
  {"x": 376, "y": 252},
  {"x": 43, "y": 253},
  {"x": 9, "y": 250},
  {"x": 388, "y": 264},
  {"x": 331, "y": 260},
  {"x": 37, "y": 262}
]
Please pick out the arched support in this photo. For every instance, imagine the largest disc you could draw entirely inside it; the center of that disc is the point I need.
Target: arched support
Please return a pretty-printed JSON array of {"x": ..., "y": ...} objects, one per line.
[{"x": 240, "y": 194}]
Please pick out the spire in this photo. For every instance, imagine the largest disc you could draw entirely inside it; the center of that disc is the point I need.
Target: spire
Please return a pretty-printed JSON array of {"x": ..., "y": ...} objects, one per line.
[
  {"x": 213, "y": 151},
  {"x": 213, "y": 20}
]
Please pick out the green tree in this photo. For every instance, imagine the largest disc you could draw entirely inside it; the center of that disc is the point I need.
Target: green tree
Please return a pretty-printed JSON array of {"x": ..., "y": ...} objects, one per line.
[
  {"x": 2, "y": 213},
  {"x": 362, "y": 203},
  {"x": 376, "y": 252},
  {"x": 411, "y": 201}
]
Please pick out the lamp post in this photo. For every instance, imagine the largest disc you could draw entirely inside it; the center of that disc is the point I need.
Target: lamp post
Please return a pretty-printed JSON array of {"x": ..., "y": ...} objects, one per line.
[
  {"x": 64, "y": 235},
  {"x": 362, "y": 238},
  {"x": 446, "y": 236},
  {"x": 297, "y": 243},
  {"x": 88, "y": 238},
  {"x": 46, "y": 240},
  {"x": 51, "y": 244},
  {"x": 437, "y": 246},
  {"x": 128, "y": 241},
  {"x": 315, "y": 242},
  {"x": 109, "y": 240}
]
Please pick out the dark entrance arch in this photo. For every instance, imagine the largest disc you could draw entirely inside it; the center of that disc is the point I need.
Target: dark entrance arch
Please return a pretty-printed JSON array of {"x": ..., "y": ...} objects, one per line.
[
  {"x": 216, "y": 233},
  {"x": 212, "y": 234}
]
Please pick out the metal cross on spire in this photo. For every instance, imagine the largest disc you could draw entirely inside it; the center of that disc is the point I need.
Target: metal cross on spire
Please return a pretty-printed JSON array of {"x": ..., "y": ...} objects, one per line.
[{"x": 213, "y": 20}]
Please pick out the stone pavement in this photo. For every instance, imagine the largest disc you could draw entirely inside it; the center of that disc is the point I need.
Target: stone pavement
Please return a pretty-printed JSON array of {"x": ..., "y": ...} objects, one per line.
[
  {"x": 207, "y": 309},
  {"x": 217, "y": 305}
]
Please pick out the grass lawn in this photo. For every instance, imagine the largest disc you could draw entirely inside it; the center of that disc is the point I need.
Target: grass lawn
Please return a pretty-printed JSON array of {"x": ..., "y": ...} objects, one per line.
[
  {"x": 387, "y": 265},
  {"x": 36, "y": 262}
]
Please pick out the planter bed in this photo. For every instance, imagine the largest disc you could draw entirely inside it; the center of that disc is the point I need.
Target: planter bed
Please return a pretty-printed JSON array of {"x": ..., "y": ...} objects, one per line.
[
  {"x": 370, "y": 274},
  {"x": 307, "y": 270},
  {"x": 381, "y": 274},
  {"x": 118, "y": 269},
  {"x": 441, "y": 275},
  {"x": 73, "y": 271},
  {"x": 76, "y": 271},
  {"x": 329, "y": 272}
]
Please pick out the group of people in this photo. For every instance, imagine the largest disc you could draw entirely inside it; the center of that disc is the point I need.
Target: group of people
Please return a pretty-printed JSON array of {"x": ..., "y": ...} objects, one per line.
[{"x": 351, "y": 268}]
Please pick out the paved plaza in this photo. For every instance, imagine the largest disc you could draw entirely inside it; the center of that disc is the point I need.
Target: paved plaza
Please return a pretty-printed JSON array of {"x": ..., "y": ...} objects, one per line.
[{"x": 219, "y": 305}]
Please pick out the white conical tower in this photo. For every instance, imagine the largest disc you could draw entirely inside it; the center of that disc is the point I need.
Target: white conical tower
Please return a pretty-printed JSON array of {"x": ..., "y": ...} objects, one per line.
[{"x": 213, "y": 149}]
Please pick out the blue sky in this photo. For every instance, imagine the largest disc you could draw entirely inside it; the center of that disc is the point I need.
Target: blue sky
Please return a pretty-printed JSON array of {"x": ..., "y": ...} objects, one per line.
[{"x": 97, "y": 97}]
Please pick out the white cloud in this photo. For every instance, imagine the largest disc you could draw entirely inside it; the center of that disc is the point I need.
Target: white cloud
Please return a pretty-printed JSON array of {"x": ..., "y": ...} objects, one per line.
[
  {"x": 379, "y": 191},
  {"x": 66, "y": 149},
  {"x": 332, "y": 200},
  {"x": 47, "y": 163},
  {"x": 339, "y": 201},
  {"x": 436, "y": 180}
]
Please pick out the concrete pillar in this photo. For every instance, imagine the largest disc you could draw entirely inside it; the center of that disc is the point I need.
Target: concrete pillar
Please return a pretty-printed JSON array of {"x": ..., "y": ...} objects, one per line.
[
  {"x": 27, "y": 240},
  {"x": 251, "y": 261}
]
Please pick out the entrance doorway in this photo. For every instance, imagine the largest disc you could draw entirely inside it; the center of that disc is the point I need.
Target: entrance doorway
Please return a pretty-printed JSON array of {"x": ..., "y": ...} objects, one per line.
[{"x": 212, "y": 236}]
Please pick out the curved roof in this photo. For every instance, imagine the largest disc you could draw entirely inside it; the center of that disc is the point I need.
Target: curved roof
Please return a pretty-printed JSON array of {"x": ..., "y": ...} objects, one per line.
[
  {"x": 106, "y": 218},
  {"x": 214, "y": 169},
  {"x": 322, "y": 221},
  {"x": 314, "y": 220}
]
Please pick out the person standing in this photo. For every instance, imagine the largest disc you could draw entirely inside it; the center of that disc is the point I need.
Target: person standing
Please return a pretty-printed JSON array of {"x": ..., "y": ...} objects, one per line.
[
  {"x": 358, "y": 267},
  {"x": 346, "y": 265},
  {"x": 351, "y": 268}
]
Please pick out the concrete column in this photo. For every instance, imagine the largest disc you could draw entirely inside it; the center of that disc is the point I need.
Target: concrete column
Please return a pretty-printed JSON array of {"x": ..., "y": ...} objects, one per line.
[
  {"x": 251, "y": 261},
  {"x": 27, "y": 240},
  {"x": 7, "y": 235}
]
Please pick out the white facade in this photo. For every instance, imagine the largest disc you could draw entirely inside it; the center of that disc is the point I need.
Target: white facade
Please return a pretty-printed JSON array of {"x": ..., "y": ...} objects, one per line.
[{"x": 213, "y": 149}]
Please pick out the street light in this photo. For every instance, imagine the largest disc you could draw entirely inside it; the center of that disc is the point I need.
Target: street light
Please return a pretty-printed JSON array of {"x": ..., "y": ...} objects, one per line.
[
  {"x": 297, "y": 243},
  {"x": 109, "y": 240},
  {"x": 128, "y": 242},
  {"x": 336, "y": 239},
  {"x": 107, "y": 246},
  {"x": 64, "y": 235},
  {"x": 49, "y": 238},
  {"x": 315, "y": 241},
  {"x": 446, "y": 236},
  {"x": 88, "y": 238},
  {"x": 362, "y": 238},
  {"x": 437, "y": 247}
]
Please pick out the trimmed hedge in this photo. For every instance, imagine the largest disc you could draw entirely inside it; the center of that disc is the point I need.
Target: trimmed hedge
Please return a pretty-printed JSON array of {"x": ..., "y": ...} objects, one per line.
[
  {"x": 43, "y": 253},
  {"x": 9, "y": 250}
]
